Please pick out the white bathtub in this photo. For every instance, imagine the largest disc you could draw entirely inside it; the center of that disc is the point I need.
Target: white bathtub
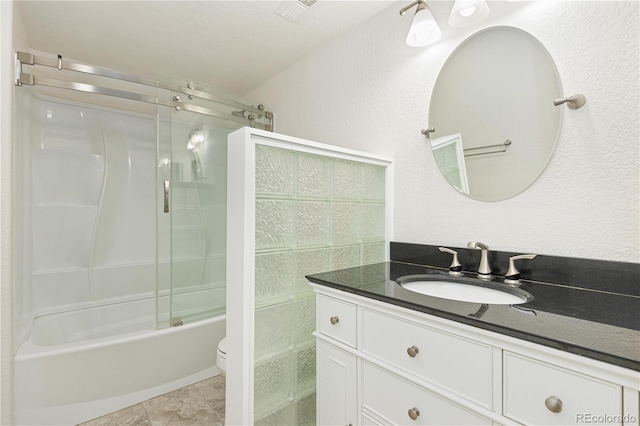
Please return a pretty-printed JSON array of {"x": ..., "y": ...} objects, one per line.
[{"x": 66, "y": 374}]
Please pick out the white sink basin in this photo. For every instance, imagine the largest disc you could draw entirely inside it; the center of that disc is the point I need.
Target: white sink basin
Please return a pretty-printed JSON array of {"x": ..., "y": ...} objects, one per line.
[{"x": 467, "y": 292}]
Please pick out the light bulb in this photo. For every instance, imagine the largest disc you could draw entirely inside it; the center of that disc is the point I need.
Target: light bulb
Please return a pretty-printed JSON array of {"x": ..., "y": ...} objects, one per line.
[
  {"x": 424, "y": 29},
  {"x": 468, "y": 12}
]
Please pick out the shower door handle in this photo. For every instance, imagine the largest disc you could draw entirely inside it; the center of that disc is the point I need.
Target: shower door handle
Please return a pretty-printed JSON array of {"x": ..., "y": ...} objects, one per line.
[{"x": 166, "y": 196}]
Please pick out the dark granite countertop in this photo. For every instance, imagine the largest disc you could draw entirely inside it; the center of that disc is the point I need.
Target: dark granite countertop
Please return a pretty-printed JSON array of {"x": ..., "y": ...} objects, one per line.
[{"x": 596, "y": 324}]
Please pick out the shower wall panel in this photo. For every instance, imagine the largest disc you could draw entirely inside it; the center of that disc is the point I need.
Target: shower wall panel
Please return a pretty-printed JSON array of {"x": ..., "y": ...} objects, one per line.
[{"x": 87, "y": 228}]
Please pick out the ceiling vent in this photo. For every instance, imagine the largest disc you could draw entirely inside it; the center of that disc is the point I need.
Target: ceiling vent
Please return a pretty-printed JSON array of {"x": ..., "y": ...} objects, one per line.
[{"x": 294, "y": 11}]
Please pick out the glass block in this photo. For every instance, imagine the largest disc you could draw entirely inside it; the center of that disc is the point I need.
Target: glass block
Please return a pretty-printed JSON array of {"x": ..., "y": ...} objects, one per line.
[
  {"x": 305, "y": 369},
  {"x": 281, "y": 416},
  {"x": 310, "y": 262},
  {"x": 306, "y": 410},
  {"x": 273, "y": 382},
  {"x": 346, "y": 222},
  {"x": 373, "y": 224},
  {"x": 305, "y": 319},
  {"x": 314, "y": 223},
  {"x": 347, "y": 181},
  {"x": 273, "y": 329},
  {"x": 373, "y": 182},
  {"x": 274, "y": 276},
  {"x": 274, "y": 170},
  {"x": 314, "y": 176},
  {"x": 274, "y": 223},
  {"x": 373, "y": 253},
  {"x": 345, "y": 257}
]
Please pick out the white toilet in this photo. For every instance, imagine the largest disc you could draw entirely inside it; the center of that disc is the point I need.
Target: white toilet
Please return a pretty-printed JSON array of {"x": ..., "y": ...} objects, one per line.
[{"x": 221, "y": 356}]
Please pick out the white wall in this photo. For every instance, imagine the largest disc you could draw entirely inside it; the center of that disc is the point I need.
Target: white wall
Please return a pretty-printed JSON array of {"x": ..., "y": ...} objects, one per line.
[{"x": 369, "y": 91}]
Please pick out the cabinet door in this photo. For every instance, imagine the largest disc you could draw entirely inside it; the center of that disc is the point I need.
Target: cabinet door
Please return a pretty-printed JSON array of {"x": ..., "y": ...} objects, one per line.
[{"x": 336, "y": 386}]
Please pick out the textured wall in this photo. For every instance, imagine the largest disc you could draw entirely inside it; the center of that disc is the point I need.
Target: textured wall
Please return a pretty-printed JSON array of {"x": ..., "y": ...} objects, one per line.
[{"x": 369, "y": 91}]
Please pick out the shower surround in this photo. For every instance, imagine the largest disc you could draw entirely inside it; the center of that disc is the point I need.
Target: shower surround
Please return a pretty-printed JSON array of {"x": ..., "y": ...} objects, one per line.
[{"x": 103, "y": 273}]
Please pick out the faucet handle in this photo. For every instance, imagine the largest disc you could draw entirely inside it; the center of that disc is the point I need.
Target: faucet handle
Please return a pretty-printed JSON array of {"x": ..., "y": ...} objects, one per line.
[
  {"x": 455, "y": 268},
  {"x": 513, "y": 275}
]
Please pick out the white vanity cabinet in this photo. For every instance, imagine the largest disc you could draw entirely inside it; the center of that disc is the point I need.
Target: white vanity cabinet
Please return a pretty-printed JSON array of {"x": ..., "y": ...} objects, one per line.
[{"x": 381, "y": 364}]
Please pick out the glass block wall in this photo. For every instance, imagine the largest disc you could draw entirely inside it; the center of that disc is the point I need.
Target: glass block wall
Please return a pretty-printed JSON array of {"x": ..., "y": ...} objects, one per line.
[{"x": 313, "y": 214}]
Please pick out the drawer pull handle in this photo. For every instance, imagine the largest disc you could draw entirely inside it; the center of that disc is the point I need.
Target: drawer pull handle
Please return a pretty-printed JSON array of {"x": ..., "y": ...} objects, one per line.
[
  {"x": 554, "y": 404},
  {"x": 334, "y": 320},
  {"x": 414, "y": 413},
  {"x": 412, "y": 351}
]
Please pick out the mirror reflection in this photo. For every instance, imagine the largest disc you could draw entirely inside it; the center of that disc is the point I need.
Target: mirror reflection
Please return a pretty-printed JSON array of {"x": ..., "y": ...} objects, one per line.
[{"x": 492, "y": 108}]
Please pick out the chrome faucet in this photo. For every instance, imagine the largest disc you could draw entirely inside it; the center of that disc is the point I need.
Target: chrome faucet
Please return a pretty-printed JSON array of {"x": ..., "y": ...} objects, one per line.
[{"x": 484, "y": 270}]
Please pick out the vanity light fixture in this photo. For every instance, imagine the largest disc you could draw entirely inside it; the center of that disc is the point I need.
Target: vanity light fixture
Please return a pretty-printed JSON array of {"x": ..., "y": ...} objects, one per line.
[
  {"x": 468, "y": 12},
  {"x": 424, "y": 29}
]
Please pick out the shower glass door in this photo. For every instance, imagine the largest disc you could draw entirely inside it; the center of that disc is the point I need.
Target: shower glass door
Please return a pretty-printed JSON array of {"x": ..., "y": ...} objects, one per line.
[
  {"x": 198, "y": 199},
  {"x": 193, "y": 166}
]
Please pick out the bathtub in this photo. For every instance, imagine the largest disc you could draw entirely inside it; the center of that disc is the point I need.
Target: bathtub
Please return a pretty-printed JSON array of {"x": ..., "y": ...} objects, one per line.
[{"x": 71, "y": 369}]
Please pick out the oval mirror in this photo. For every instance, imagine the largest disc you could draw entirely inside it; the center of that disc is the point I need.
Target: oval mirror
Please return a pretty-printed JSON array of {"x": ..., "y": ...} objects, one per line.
[{"x": 492, "y": 109}]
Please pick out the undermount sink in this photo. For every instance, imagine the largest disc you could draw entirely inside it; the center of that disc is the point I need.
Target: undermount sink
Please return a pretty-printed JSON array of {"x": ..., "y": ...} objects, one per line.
[{"x": 489, "y": 293}]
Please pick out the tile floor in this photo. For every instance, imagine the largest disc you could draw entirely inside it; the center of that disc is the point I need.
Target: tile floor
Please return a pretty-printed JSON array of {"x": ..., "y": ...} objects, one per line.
[{"x": 201, "y": 404}]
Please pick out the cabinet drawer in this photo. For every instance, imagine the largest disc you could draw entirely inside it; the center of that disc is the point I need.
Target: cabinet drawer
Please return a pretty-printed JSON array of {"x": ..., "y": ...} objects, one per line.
[
  {"x": 337, "y": 319},
  {"x": 460, "y": 365},
  {"x": 396, "y": 400},
  {"x": 530, "y": 385}
]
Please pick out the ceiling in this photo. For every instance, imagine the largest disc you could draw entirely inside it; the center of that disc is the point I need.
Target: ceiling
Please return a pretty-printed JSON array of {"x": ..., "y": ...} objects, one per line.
[{"x": 233, "y": 45}]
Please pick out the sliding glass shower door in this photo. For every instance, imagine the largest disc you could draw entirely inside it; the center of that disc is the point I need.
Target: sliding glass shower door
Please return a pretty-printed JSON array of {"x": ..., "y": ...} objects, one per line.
[
  {"x": 192, "y": 224},
  {"x": 121, "y": 205},
  {"x": 192, "y": 182}
]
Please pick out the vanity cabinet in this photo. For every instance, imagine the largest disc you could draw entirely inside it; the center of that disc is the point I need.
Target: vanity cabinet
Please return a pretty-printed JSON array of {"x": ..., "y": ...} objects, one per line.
[{"x": 381, "y": 364}]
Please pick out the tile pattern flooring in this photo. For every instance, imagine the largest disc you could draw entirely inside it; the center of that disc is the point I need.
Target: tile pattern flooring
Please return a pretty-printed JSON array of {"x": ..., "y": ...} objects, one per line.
[{"x": 199, "y": 404}]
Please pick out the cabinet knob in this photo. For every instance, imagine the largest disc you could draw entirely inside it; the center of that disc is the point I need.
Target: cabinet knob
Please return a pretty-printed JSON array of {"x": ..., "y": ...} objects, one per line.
[
  {"x": 414, "y": 413},
  {"x": 334, "y": 320},
  {"x": 412, "y": 351},
  {"x": 554, "y": 404}
]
